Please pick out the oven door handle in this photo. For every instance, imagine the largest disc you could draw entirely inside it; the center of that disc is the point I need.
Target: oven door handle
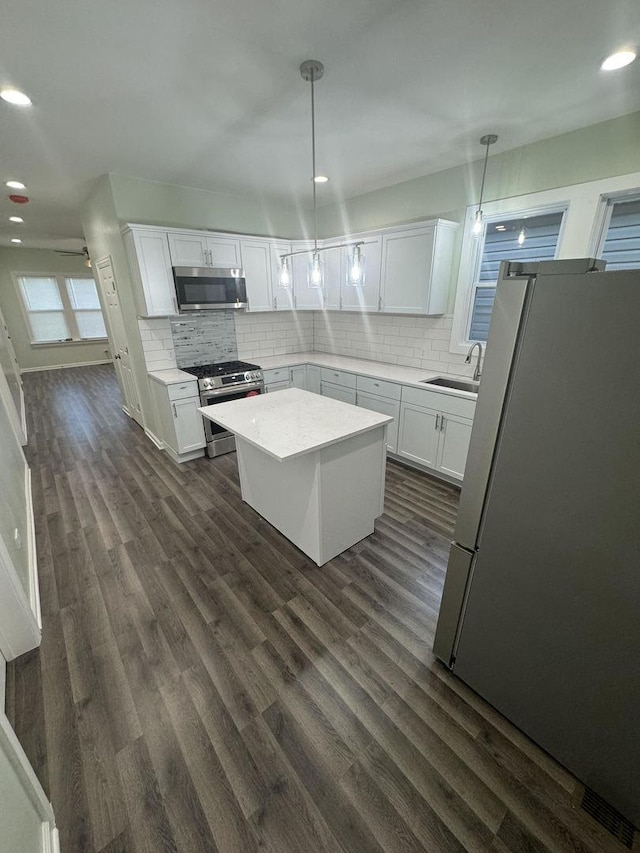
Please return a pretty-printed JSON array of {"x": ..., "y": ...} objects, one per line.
[{"x": 230, "y": 389}]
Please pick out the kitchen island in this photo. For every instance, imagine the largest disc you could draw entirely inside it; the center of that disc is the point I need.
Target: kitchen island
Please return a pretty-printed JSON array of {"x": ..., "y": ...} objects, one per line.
[{"x": 313, "y": 467}]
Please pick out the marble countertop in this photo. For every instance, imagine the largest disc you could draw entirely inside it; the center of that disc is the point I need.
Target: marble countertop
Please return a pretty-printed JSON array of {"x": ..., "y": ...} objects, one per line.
[
  {"x": 173, "y": 376},
  {"x": 374, "y": 369},
  {"x": 292, "y": 422}
]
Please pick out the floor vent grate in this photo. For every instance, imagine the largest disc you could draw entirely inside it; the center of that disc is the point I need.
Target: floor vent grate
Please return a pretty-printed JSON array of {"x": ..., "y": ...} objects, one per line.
[{"x": 607, "y": 816}]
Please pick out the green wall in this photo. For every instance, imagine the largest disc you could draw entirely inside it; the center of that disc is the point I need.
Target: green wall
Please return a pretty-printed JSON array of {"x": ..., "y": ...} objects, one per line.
[
  {"x": 155, "y": 203},
  {"x": 21, "y": 260}
]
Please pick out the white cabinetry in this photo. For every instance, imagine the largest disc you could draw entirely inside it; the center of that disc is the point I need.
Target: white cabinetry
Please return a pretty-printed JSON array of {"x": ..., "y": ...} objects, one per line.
[
  {"x": 382, "y": 397},
  {"x": 298, "y": 376},
  {"x": 199, "y": 250},
  {"x": 365, "y": 296},
  {"x": 313, "y": 378},
  {"x": 283, "y": 295},
  {"x": 180, "y": 423},
  {"x": 276, "y": 379},
  {"x": 338, "y": 384},
  {"x": 308, "y": 297},
  {"x": 435, "y": 430},
  {"x": 416, "y": 267},
  {"x": 150, "y": 264},
  {"x": 256, "y": 262}
]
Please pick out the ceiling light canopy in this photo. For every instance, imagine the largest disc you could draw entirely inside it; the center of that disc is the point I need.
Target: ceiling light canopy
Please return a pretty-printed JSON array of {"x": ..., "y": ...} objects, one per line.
[
  {"x": 618, "y": 60},
  {"x": 16, "y": 185},
  {"x": 14, "y": 96},
  {"x": 486, "y": 140},
  {"x": 16, "y": 219}
]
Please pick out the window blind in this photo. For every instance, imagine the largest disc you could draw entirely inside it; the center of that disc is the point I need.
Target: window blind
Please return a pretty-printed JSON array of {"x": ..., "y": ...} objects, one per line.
[
  {"x": 501, "y": 244},
  {"x": 621, "y": 248}
]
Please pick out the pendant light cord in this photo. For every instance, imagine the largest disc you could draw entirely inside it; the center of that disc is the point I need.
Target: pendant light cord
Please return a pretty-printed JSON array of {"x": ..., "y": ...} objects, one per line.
[
  {"x": 313, "y": 165},
  {"x": 484, "y": 174}
]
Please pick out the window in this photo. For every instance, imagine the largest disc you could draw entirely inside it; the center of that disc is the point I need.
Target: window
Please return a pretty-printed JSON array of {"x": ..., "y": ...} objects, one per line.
[
  {"x": 61, "y": 308},
  {"x": 523, "y": 238},
  {"x": 621, "y": 245}
]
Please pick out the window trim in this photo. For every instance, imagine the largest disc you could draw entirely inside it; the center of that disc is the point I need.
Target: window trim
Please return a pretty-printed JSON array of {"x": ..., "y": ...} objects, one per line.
[
  {"x": 580, "y": 237},
  {"x": 67, "y": 308},
  {"x": 478, "y": 250},
  {"x": 605, "y": 211}
]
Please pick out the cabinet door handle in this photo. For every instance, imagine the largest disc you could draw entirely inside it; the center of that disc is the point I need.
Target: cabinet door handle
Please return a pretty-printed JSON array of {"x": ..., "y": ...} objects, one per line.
[
  {"x": 437, "y": 422},
  {"x": 441, "y": 423},
  {"x": 376, "y": 384},
  {"x": 175, "y": 411}
]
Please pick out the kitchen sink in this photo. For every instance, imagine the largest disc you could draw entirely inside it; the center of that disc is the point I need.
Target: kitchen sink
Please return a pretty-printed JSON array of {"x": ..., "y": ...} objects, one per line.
[{"x": 456, "y": 384}]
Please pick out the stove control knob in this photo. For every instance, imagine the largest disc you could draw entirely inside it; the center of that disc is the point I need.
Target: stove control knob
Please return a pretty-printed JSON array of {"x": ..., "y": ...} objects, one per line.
[{"x": 206, "y": 383}]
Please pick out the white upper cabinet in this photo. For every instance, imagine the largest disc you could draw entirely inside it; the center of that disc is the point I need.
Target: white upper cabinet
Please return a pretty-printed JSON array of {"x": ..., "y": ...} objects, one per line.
[
  {"x": 332, "y": 267},
  {"x": 365, "y": 296},
  {"x": 256, "y": 262},
  {"x": 199, "y": 250},
  {"x": 283, "y": 294},
  {"x": 307, "y": 296},
  {"x": 150, "y": 264},
  {"x": 187, "y": 250},
  {"x": 416, "y": 268}
]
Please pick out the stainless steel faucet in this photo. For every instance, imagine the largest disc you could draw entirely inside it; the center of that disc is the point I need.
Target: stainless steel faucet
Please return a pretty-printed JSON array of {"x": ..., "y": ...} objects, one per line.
[{"x": 477, "y": 372}]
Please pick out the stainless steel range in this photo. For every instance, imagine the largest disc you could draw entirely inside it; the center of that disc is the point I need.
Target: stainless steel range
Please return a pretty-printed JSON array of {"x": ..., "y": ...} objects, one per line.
[{"x": 219, "y": 383}]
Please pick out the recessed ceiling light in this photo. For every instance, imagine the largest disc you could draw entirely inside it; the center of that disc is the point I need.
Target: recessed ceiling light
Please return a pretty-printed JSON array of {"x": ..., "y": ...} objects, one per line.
[
  {"x": 13, "y": 96},
  {"x": 16, "y": 240},
  {"x": 16, "y": 219},
  {"x": 321, "y": 179},
  {"x": 618, "y": 60},
  {"x": 16, "y": 185}
]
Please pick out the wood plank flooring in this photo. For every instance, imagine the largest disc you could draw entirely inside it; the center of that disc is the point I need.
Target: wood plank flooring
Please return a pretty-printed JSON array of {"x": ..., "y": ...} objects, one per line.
[{"x": 202, "y": 686}]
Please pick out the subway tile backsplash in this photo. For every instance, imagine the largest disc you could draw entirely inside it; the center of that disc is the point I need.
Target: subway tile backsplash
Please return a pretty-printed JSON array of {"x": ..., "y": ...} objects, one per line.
[
  {"x": 421, "y": 342},
  {"x": 274, "y": 333},
  {"x": 205, "y": 338}
]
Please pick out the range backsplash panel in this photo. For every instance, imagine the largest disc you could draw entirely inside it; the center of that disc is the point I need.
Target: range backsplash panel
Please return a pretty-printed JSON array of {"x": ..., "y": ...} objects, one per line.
[{"x": 205, "y": 338}]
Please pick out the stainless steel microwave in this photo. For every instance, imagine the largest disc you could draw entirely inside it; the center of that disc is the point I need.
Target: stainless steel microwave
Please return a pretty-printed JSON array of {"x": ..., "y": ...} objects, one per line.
[{"x": 204, "y": 288}]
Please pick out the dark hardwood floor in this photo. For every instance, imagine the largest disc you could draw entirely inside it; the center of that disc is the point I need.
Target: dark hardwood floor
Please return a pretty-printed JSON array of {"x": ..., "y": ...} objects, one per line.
[{"x": 202, "y": 686}]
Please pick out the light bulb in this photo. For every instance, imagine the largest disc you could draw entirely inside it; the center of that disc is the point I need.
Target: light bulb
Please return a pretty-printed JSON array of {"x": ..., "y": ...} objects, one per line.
[
  {"x": 477, "y": 225},
  {"x": 355, "y": 273},
  {"x": 315, "y": 276},
  {"x": 15, "y": 97},
  {"x": 618, "y": 60},
  {"x": 521, "y": 237},
  {"x": 285, "y": 277}
]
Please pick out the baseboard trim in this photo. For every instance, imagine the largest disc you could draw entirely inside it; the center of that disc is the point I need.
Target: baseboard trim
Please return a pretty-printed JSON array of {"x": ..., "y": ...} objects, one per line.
[
  {"x": 158, "y": 443},
  {"x": 64, "y": 366}
]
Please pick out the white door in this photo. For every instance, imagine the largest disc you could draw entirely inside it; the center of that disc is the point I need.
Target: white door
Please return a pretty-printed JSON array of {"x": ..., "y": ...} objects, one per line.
[
  {"x": 118, "y": 340},
  {"x": 223, "y": 252},
  {"x": 283, "y": 295},
  {"x": 308, "y": 296},
  {"x": 187, "y": 250},
  {"x": 11, "y": 382},
  {"x": 299, "y": 377},
  {"x": 419, "y": 434},
  {"x": 407, "y": 259},
  {"x": 28, "y": 822},
  {"x": 454, "y": 445},
  {"x": 188, "y": 424},
  {"x": 384, "y": 407},
  {"x": 256, "y": 262},
  {"x": 365, "y": 296}
]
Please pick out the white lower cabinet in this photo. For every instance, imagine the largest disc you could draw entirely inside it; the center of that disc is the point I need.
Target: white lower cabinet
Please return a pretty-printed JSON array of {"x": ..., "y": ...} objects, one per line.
[
  {"x": 276, "y": 386},
  {"x": 313, "y": 378},
  {"x": 298, "y": 376},
  {"x": 437, "y": 434},
  {"x": 385, "y": 407},
  {"x": 276, "y": 379},
  {"x": 180, "y": 424},
  {"x": 338, "y": 384}
]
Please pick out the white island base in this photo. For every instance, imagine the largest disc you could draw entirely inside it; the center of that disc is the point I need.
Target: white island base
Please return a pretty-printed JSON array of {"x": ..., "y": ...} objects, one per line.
[
  {"x": 323, "y": 502},
  {"x": 313, "y": 467}
]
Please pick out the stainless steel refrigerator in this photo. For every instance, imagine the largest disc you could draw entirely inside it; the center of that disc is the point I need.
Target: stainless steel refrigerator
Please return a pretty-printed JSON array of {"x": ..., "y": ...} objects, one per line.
[{"x": 541, "y": 605}]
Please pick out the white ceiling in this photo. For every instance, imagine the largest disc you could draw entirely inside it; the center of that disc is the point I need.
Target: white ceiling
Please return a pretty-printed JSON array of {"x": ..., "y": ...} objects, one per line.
[{"x": 207, "y": 93}]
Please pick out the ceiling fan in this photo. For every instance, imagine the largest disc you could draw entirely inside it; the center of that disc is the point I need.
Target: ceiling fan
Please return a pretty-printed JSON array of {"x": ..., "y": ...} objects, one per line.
[{"x": 84, "y": 254}]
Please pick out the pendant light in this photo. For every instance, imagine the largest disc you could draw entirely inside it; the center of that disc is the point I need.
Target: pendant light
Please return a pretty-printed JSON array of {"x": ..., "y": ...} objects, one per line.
[
  {"x": 312, "y": 70},
  {"x": 486, "y": 140}
]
